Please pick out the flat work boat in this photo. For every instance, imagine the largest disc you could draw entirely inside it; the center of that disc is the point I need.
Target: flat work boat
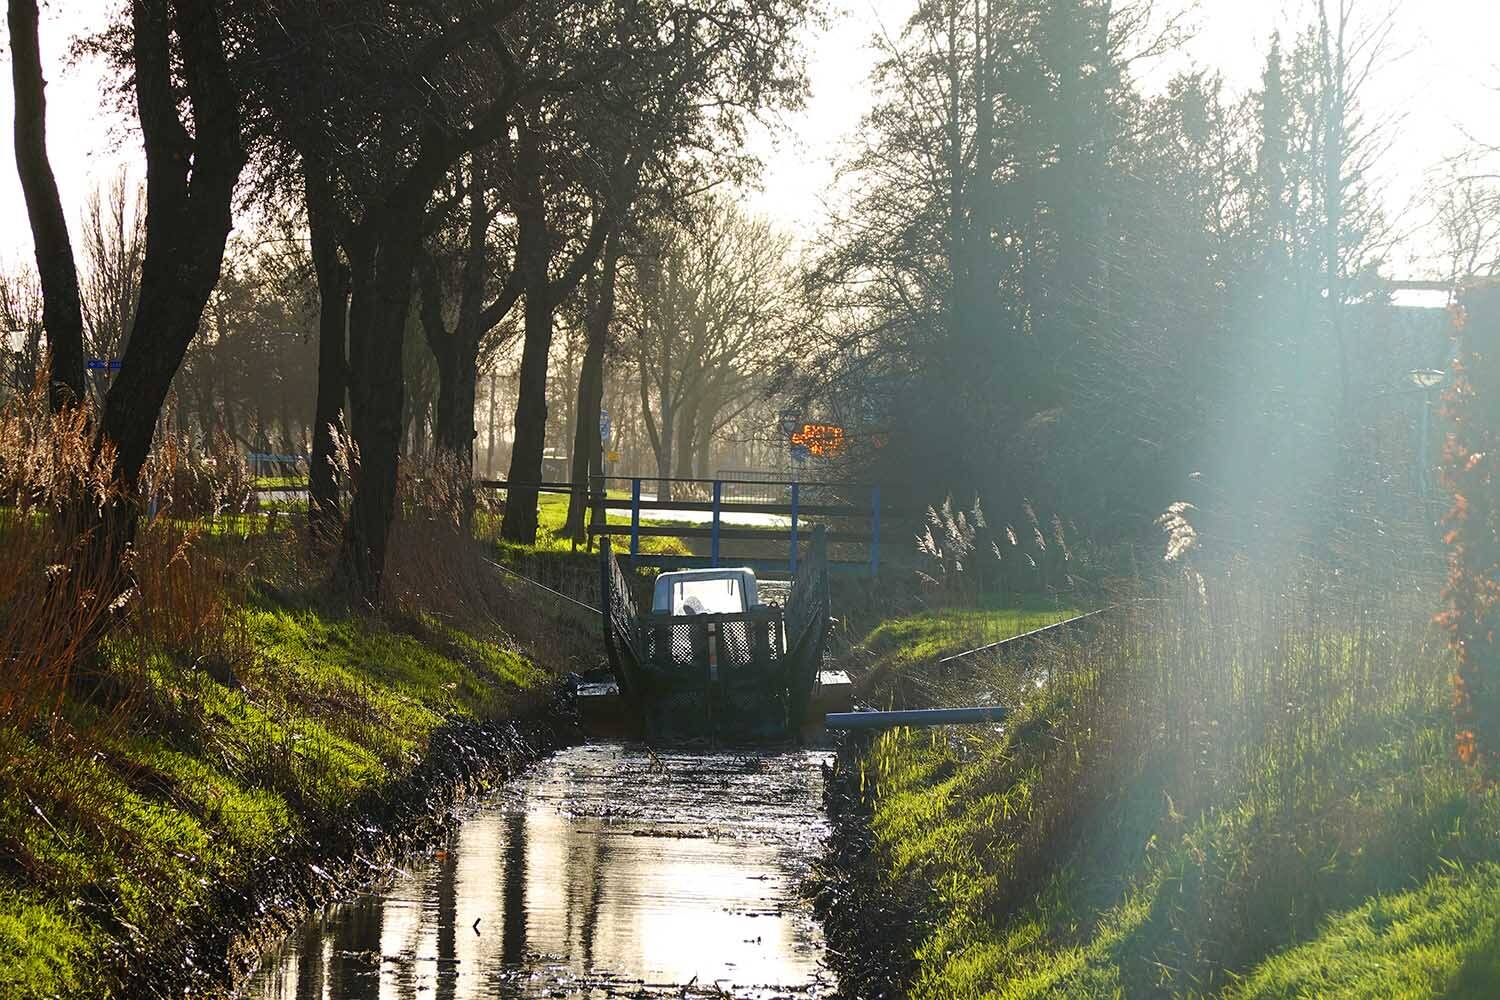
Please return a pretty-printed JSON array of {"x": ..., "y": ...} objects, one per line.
[{"x": 711, "y": 660}]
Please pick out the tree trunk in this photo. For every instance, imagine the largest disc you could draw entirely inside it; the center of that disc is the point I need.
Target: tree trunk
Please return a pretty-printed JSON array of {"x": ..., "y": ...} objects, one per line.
[
  {"x": 378, "y": 306},
  {"x": 62, "y": 314},
  {"x": 687, "y": 435},
  {"x": 333, "y": 314},
  {"x": 457, "y": 378},
  {"x": 1335, "y": 122},
  {"x": 705, "y": 449},
  {"x": 458, "y": 353},
  {"x": 533, "y": 257},
  {"x": 189, "y": 189},
  {"x": 529, "y": 445},
  {"x": 587, "y": 446},
  {"x": 533, "y": 253},
  {"x": 188, "y": 218},
  {"x": 664, "y": 449}
]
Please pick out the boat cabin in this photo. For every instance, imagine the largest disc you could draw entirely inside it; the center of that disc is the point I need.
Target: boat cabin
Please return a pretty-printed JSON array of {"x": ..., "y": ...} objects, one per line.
[{"x": 705, "y": 592}]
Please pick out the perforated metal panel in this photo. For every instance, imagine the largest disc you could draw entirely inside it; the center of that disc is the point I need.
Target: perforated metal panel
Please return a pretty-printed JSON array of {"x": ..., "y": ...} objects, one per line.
[
  {"x": 732, "y": 642},
  {"x": 807, "y": 625},
  {"x": 621, "y": 630}
]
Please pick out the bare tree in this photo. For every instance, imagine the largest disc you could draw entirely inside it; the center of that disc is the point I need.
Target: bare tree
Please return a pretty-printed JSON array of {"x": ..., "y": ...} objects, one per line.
[
  {"x": 1467, "y": 221},
  {"x": 21, "y": 324},
  {"x": 710, "y": 308},
  {"x": 1350, "y": 49},
  {"x": 114, "y": 247}
]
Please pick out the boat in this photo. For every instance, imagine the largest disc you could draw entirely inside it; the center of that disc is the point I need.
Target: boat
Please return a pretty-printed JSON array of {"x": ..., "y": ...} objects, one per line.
[{"x": 713, "y": 661}]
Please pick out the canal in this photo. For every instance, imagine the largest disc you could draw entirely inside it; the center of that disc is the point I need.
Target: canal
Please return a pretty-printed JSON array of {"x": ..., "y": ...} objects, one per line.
[{"x": 604, "y": 871}]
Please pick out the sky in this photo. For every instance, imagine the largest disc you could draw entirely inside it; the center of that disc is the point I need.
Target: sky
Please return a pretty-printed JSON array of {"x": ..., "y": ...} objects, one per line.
[{"x": 1443, "y": 80}]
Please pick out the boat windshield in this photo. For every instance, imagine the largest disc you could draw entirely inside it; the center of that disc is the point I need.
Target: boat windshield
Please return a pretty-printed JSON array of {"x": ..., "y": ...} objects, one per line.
[{"x": 722, "y": 596}]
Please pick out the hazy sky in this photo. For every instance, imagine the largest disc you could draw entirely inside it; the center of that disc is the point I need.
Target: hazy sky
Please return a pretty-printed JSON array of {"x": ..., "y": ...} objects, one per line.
[{"x": 1442, "y": 83}]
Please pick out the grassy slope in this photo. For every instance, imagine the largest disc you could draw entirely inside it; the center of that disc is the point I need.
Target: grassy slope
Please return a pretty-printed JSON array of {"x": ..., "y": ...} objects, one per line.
[
  {"x": 1121, "y": 838},
  {"x": 898, "y": 645},
  {"x": 123, "y": 836},
  {"x": 552, "y": 515},
  {"x": 927, "y": 635}
]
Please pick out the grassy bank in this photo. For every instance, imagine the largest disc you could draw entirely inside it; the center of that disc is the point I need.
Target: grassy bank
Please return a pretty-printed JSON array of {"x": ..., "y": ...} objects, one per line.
[
  {"x": 1244, "y": 790},
  {"x": 225, "y": 722},
  {"x": 891, "y": 662}
]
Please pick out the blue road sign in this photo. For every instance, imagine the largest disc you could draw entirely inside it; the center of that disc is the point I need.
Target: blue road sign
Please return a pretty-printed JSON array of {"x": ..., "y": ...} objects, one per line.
[
  {"x": 98, "y": 365},
  {"x": 604, "y": 427}
]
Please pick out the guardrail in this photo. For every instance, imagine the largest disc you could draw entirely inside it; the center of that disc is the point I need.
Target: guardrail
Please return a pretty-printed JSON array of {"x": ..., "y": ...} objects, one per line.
[
  {"x": 916, "y": 717},
  {"x": 1045, "y": 631},
  {"x": 728, "y": 520}
]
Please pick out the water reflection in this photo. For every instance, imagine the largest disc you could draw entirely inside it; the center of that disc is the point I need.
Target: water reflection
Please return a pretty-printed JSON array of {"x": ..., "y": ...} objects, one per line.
[{"x": 607, "y": 872}]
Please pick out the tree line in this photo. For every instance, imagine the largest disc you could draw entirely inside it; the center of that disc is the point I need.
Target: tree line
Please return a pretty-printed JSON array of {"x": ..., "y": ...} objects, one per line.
[
  {"x": 458, "y": 170},
  {"x": 1045, "y": 282},
  {"x": 1048, "y": 282}
]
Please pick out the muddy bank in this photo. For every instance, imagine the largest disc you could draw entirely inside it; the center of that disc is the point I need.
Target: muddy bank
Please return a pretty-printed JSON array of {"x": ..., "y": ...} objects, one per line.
[
  {"x": 871, "y": 927},
  {"x": 215, "y": 950}
]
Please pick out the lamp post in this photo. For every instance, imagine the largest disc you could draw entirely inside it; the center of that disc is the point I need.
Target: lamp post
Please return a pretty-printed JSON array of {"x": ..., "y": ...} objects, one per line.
[{"x": 1428, "y": 380}]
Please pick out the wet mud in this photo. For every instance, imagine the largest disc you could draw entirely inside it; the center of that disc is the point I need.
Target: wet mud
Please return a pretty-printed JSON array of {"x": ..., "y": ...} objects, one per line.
[
  {"x": 872, "y": 931},
  {"x": 604, "y": 871}
]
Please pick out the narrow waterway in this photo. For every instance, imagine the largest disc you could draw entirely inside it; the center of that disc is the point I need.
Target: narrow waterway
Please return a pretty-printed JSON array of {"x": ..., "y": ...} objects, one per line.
[{"x": 606, "y": 871}]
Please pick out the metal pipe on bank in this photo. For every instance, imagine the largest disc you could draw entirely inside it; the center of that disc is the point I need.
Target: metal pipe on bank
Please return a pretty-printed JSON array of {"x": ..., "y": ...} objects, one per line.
[{"x": 916, "y": 717}]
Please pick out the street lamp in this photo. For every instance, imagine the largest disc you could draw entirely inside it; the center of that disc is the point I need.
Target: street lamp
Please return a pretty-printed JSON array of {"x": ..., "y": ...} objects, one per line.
[{"x": 1427, "y": 380}]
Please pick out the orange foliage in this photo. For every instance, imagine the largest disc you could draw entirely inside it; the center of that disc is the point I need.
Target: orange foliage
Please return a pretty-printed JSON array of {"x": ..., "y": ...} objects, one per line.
[{"x": 1472, "y": 535}]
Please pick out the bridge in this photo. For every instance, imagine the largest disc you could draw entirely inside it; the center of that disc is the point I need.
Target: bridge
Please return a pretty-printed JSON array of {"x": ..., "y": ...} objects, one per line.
[{"x": 765, "y": 525}]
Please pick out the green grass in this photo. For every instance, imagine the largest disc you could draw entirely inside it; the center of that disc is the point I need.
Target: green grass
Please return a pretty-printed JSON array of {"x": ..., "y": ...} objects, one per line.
[
  {"x": 1440, "y": 939},
  {"x": 1224, "y": 796},
  {"x": 897, "y": 646},
  {"x": 928, "y": 635},
  {"x": 281, "y": 482},
  {"x": 124, "y": 830},
  {"x": 551, "y": 542}
]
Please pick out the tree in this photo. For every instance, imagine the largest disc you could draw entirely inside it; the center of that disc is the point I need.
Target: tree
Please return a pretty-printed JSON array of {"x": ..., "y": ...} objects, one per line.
[
  {"x": 1346, "y": 53},
  {"x": 975, "y": 248},
  {"x": 709, "y": 310},
  {"x": 1467, "y": 209},
  {"x": 332, "y": 276},
  {"x": 675, "y": 108},
  {"x": 22, "y": 323},
  {"x": 543, "y": 294},
  {"x": 377, "y": 111},
  {"x": 1126, "y": 298},
  {"x": 191, "y": 174},
  {"x": 114, "y": 247},
  {"x": 190, "y": 123},
  {"x": 588, "y": 458},
  {"x": 457, "y": 348}
]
